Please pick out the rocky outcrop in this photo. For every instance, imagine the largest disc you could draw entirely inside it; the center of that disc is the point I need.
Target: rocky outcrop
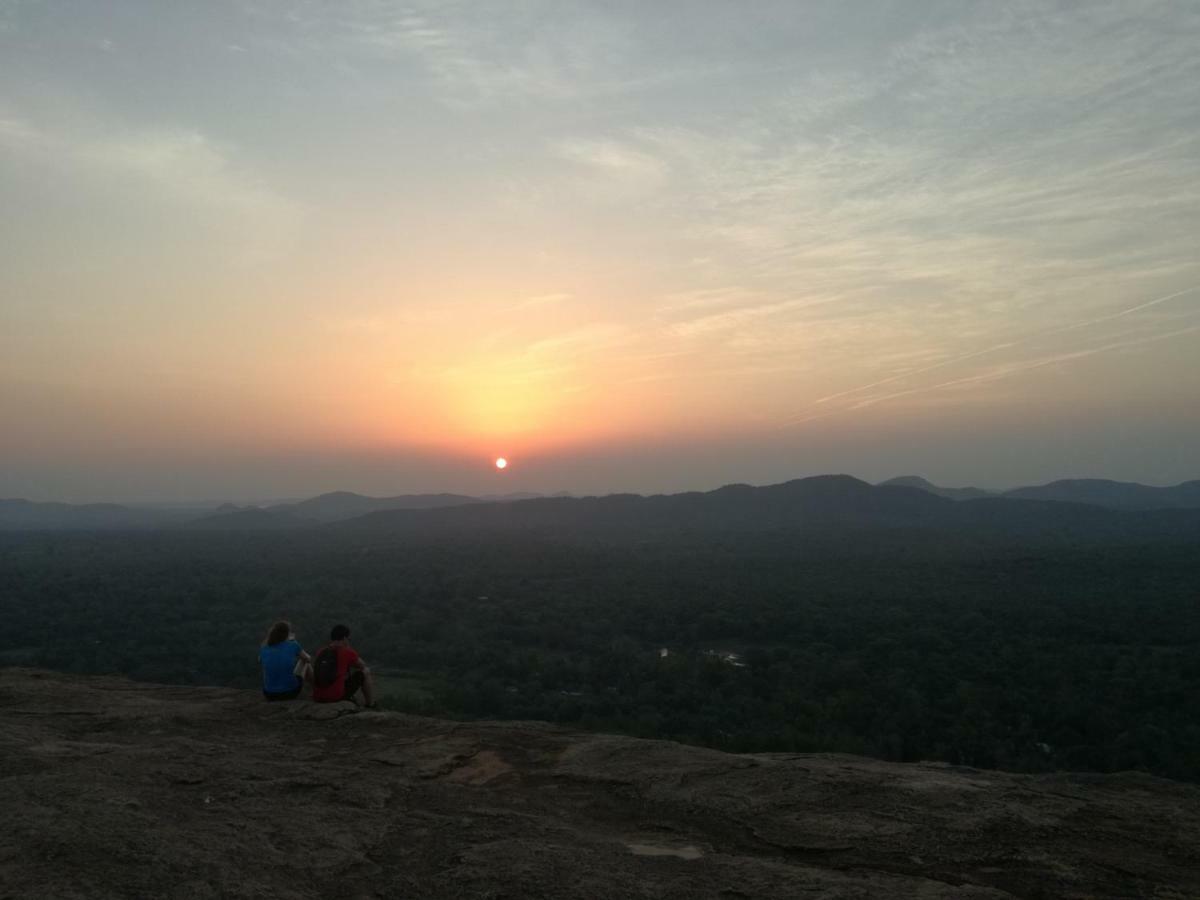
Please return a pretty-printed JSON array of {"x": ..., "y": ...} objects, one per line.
[{"x": 119, "y": 789}]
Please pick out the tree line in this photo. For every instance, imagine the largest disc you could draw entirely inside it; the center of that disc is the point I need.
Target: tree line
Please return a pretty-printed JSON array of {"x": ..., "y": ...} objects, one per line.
[{"x": 901, "y": 645}]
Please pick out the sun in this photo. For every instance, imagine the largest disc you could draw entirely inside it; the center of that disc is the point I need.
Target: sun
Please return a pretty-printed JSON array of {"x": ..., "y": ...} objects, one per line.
[{"x": 501, "y": 462}]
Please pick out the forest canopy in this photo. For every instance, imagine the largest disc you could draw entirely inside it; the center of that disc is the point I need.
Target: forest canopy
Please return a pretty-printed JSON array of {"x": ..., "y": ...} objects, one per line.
[{"x": 900, "y": 644}]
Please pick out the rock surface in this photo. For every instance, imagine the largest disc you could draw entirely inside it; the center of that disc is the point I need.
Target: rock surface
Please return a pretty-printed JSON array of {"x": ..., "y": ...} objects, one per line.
[{"x": 118, "y": 789}]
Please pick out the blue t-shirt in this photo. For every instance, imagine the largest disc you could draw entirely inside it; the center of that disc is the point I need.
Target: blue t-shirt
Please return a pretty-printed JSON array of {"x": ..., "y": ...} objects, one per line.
[{"x": 277, "y": 664}]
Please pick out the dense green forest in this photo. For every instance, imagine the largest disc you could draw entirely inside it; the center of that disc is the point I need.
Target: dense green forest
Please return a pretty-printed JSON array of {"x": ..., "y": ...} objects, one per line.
[{"x": 905, "y": 645}]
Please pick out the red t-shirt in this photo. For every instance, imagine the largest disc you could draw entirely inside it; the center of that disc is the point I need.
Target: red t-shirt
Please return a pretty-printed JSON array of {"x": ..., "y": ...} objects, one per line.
[{"x": 345, "y": 659}]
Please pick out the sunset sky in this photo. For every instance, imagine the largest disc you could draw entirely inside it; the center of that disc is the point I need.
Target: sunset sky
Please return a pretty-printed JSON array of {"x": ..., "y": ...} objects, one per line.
[{"x": 256, "y": 250}]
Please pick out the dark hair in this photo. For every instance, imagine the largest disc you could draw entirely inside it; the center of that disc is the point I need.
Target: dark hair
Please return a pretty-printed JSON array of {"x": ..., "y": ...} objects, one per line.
[
  {"x": 339, "y": 633},
  {"x": 279, "y": 633}
]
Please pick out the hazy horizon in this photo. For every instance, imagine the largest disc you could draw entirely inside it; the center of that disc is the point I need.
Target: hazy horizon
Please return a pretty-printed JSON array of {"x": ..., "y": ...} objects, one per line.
[
  {"x": 272, "y": 249},
  {"x": 500, "y": 489}
]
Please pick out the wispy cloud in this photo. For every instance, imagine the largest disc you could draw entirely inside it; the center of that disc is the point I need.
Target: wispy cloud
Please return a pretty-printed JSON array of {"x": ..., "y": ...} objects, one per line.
[
  {"x": 1008, "y": 345},
  {"x": 852, "y": 400},
  {"x": 584, "y": 339},
  {"x": 181, "y": 165},
  {"x": 987, "y": 180},
  {"x": 620, "y": 161},
  {"x": 471, "y": 57},
  {"x": 741, "y": 316},
  {"x": 1008, "y": 370}
]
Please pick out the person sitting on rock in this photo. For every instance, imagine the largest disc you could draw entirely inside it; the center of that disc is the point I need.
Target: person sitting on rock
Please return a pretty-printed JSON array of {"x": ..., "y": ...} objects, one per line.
[
  {"x": 284, "y": 663},
  {"x": 339, "y": 672}
]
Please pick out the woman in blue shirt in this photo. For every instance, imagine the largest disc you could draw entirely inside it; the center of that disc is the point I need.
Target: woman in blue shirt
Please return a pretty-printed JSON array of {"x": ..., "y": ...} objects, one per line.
[{"x": 279, "y": 655}]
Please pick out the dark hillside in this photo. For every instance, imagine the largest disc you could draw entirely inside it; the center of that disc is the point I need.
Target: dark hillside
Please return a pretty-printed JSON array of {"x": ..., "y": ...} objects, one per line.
[
  {"x": 808, "y": 506},
  {"x": 995, "y": 648},
  {"x": 340, "y": 505},
  {"x": 26, "y": 515},
  {"x": 801, "y": 504},
  {"x": 247, "y": 520},
  {"x": 1113, "y": 494},
  {"x": 922, "y": 484}
]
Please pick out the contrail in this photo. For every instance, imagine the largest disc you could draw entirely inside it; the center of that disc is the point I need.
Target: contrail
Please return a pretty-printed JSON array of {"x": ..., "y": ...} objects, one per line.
[
  {"x": 1116, "y": 315},
  {"x": 938, "y": 365},
  {"x": 996, "y": 376},
  {"x": 1005, "y": 346},
  {"x": 1019, "y": 368}
]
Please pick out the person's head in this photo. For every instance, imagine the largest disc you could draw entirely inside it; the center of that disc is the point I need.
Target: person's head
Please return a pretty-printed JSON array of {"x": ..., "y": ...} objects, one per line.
[
  {"x": 279, "y": 633},
  {"x": 339, "y": 633}
]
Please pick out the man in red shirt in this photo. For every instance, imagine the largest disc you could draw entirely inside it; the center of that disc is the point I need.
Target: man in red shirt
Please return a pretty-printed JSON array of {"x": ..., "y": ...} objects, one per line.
[{"x": 339, "y": 672}]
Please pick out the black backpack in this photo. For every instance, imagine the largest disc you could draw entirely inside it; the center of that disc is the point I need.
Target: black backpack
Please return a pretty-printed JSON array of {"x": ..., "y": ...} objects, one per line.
[{"x": 325, "y": 667}]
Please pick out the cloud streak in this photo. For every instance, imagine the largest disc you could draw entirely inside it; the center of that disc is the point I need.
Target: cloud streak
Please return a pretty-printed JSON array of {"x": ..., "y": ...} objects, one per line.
[
  {"x": 1019, "y": 368},
  {"x": 180, "y": 165},
  {"x": 1008, "y": 345}
]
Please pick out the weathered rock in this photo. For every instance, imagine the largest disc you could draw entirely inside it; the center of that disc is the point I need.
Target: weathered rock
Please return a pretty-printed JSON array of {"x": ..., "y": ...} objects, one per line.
[
  {"x": 321, "y": 712},
  {"x": 116, "y": 789}
]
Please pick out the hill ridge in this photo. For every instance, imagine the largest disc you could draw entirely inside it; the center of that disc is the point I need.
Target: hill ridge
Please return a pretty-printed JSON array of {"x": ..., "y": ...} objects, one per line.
[{"x": 344, "y": 506}]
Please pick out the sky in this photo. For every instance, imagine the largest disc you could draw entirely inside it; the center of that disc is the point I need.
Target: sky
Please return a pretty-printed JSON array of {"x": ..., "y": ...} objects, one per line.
[{"x": 255, "y": 249}]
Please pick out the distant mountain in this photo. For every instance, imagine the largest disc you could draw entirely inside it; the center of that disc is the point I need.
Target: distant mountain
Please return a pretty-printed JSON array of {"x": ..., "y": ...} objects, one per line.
[
  {"x": 27, "y": 515},
  {"x": 1090, "y": 491},
  {"x": 1113, "y": 494},
  {"x": 916, "y": 481},
  {"x": 248, "y": 519},
  {"x": 835, "y": 507},
  {"x": 736, "y": 507},
  {"x": 519, "y": 495},
  {"x": 340, "y": 505},
  {"x": 830, "y": 502}
]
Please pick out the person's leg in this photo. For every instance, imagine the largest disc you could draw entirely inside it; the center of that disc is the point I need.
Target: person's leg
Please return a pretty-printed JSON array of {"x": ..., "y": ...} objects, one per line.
[
  {"x": 354, "y": 681},
  {"x": 360, "y": 678},
  {"x": 368, "y": 687}
]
